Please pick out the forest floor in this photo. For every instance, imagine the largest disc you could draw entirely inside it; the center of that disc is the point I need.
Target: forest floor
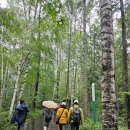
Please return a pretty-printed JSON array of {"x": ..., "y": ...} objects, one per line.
[{"x": 38, "y": 124}]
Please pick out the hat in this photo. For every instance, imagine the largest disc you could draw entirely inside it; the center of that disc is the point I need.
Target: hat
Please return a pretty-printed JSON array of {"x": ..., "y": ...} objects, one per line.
[
  {"x": 64, "y": 103},
  {"x": 75, "y": 101}
]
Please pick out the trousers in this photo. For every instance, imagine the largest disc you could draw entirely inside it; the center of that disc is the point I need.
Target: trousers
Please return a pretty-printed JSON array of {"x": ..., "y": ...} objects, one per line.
[
  {"x": 21, "y": 126},
  {"x": 62, "y": 126},
  {"x": 75, "y": 125}
]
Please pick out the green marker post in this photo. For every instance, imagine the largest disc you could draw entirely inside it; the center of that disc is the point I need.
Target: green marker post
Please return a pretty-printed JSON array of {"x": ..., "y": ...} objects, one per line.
[{"x": 93, "y": 103}]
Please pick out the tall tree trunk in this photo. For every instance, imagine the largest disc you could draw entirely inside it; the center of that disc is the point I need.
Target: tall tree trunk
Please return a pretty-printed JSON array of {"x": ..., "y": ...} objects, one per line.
[
  {"x": 58, "y": 82},
  {"x": 2, "y": 78},
  {"x": 37, "y": 81},
  {"x": 58, "y": 74},
  {"x": 27, "y": 59},
  {"x": 25, "y": 75},
  {"x": 125, "y": 63},
  {"x": 75, "y": 80},
  {"x": 109, "y": 100},
  {"x": 16, "y": 83},
  {"x": 72, "y": 83},
  {"x": 68, "y": 67},
  {"x": 3, "y": 92},
  {"x": 38, "y": 68},
  {"x": 85, "y": 60}
]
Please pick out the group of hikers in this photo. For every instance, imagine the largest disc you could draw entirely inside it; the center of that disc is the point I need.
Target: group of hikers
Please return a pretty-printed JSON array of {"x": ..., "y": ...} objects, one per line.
[{"x": 74, "y": 116}]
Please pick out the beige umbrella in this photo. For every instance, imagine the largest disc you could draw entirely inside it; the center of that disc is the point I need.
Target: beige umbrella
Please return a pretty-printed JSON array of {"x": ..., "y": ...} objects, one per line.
[{"x": 49, "y": 104}]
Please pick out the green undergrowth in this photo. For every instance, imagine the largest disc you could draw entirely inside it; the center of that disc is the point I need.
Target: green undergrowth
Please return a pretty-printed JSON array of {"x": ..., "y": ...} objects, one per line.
[
  {"x": 5, "y": 119},
  {"x": 89, "y": 125}
]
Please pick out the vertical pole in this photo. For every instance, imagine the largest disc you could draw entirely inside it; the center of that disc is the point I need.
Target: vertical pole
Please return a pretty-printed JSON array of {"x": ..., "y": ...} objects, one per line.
[{"x": 93, "y": 103}]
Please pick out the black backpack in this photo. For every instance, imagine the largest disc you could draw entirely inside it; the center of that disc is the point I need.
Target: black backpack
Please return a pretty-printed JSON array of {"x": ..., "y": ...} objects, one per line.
[
  {"x": 48, "y": 117},
  {"x": 76, "y": 114}
]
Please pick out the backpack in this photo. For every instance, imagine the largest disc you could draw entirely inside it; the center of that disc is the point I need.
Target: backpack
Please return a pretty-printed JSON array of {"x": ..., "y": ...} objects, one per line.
[
  {"x": 48, "y": 117},
  {"x": 76, "y": 114}
]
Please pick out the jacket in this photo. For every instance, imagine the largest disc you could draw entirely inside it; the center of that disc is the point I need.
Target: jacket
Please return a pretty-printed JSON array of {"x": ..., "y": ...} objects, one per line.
[
  {"x": 71, "y": 111},
  {"x": 22, "y": 110},
  {"x": 64, "y": 117}
]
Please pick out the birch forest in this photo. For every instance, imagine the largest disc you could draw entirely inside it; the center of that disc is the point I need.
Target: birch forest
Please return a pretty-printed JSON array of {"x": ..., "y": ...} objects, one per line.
[{"x": 57, "y": 50}]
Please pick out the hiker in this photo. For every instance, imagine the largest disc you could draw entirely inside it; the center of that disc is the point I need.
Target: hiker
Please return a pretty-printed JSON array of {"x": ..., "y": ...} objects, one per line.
[
  {"x": 62, "y": 116},
  {"x": 47, "y": 117},
  {"x": 20, "y": 115},
  {"x": 75, "y": 116}
]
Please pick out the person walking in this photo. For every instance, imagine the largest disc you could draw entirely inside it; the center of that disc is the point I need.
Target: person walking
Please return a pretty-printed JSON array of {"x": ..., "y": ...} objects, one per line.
[
  {"x": 47, "y": 118},
  {"x": 20, "y": 115},
  {"x": 62, "y": 116},
  {"x": 75, "y": 116}
]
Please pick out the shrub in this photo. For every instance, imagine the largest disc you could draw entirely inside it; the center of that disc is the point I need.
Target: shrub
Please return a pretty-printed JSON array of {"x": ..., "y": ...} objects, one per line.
[
  {"x": 89, "y": 125},
  {"x": 5, "y": 121}
]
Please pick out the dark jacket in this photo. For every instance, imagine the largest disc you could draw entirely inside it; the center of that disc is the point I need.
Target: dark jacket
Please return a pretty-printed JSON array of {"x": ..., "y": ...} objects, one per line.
[
  {"x": 22, "y": 111},
  {"x": 47, "y": 114}
]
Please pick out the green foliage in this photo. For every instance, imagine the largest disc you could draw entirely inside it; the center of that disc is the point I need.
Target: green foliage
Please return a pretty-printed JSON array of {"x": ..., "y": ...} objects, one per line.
[
  {"x": 34, "y": 114},
  {"x": 51, "y": 38},
  {"x": 53, "y": 8},
  {"x": 89, "y": 125},
  {"x": 123, "y": 128},
  {"x": 9, "y": 20},
  {"x": 5, "y": 121}
]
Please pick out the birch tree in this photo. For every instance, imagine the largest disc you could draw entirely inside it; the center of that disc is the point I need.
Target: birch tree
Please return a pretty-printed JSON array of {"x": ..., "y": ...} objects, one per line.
[
  {"x": 21, "y": 62},
  {"x": 109, "y": 100},
  {"x": 16, "y": 82}
]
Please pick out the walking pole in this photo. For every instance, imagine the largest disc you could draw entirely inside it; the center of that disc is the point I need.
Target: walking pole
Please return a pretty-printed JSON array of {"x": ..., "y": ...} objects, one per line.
[{"x": 93, "y": 103}]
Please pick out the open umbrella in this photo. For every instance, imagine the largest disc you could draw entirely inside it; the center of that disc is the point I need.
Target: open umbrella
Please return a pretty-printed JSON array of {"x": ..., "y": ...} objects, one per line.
[{"x": 49, "y": 104}]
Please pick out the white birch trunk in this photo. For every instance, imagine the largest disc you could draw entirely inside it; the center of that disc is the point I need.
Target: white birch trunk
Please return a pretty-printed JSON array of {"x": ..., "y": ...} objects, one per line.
[
  {"x": 27, "y": 60},
  {"x": 25, "y": 76},
  {"x": 3, "y": 92},
  {"x": 15, "y": 90},
  {"x": 16, "y": 83}
]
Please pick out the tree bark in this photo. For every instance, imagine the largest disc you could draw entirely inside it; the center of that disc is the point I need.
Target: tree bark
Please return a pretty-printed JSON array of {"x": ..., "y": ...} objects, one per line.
[
  {"x": 109, "y": 100},
  {"x": 68, "y": 67},
  {"x": 72, "y": 83},
  {"x": 37, "y": 82},
  {"x": 38, "y": 69},
  {"x": 27, "y": 59},
  {"x": 58, "y": 74},
  {"x": 16, "y": 83},
  {"x": 2, "y": 79},
  {"x": 125, "y": 63},
  {"x": 85, "y": 60}
]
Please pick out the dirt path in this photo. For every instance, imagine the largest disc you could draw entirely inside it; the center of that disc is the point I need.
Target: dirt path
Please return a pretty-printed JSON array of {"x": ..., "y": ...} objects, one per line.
[{"x": 37, "y": 124}]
